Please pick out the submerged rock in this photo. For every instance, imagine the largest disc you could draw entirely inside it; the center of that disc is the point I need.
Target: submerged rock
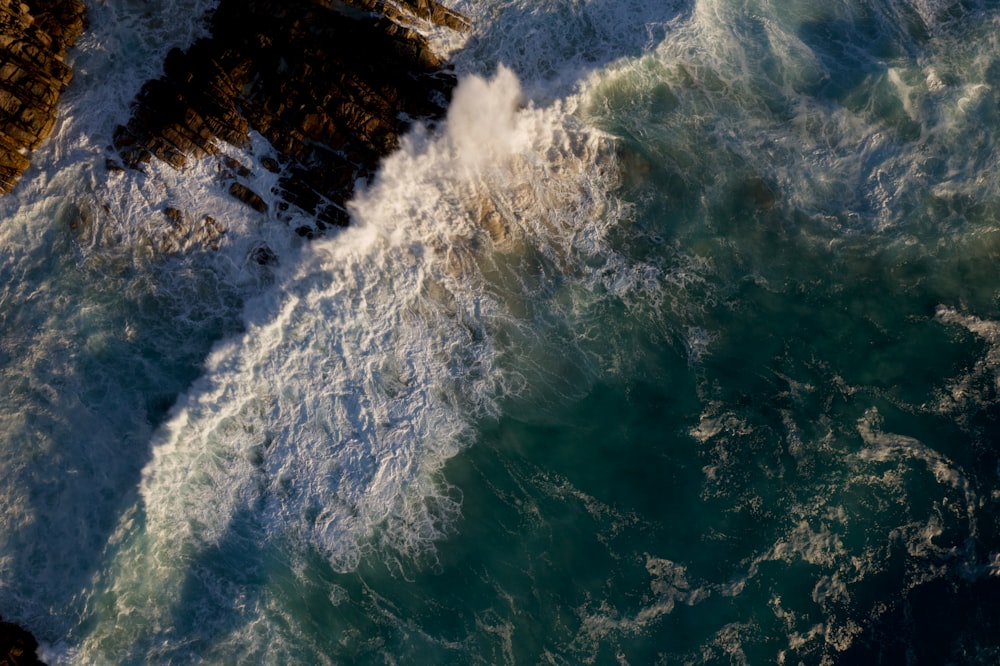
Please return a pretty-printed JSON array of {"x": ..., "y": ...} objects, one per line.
[
  {"x": 34, "y": 38},
  {"x": 330, "y": 86}
]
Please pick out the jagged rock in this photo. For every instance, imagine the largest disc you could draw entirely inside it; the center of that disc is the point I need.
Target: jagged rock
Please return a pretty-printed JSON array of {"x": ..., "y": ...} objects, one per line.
[
  {"x": 263, "y": 255},
  {"x": 329, "y": 86},
  {"x": 235, "y": 167},
  {"x": 34, "y": 38},
  {"x": 425, "y": 9},
  {"x": 271, "y": 164},
  {"x": 248, "y": 196},
  {"x": 17, "y": 646},
  {"x": 183, "y": 234},
  {"x": 175, "y": 215}
]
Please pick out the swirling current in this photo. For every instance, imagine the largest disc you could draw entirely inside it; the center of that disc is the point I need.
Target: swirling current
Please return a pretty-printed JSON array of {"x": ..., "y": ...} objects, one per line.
[{"x": 677, "y": 341}]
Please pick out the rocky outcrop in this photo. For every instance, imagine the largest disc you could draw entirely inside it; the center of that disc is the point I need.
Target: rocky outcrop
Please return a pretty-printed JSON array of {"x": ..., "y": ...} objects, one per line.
[
  {"x": 183, "y": 233},
  {"x": 331, "y": 86},
  {"x": 17, "y": 646},
  {"x": 34, "y": 38}
]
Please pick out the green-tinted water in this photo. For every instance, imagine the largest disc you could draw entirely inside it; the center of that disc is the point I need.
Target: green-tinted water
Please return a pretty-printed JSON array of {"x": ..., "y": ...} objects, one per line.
[{"x": 684, "y": 350}]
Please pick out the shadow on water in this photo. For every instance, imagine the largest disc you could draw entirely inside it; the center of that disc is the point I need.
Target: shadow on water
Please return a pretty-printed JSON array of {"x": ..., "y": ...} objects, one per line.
[
  {"x": 97, "y": 345},
  {"x": 542, "y": 45},
  {"x": 941, "y": 622},
  {"x": 221, "y": 592},
  {"x": 114, "y": 381}
]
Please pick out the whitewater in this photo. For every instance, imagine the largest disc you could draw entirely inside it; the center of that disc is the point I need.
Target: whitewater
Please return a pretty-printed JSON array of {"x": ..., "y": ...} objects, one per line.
[{"x": 676, "y": 341}]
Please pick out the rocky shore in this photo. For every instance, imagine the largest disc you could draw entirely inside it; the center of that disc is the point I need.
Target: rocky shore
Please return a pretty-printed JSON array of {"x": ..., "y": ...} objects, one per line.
[
  {"x": 17, "y": 646},
  {"x": 34, "y": 38},
  {"x": 330, "y": 85}
]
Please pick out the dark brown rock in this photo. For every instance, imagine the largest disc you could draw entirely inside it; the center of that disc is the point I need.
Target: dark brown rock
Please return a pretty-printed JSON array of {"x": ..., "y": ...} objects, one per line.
[
  {"x": 235, "y": 167},
  {"x": 175, "y": 215},
  {"x": 34, "y": 38},
  {"x": 248, "y": 196},
  {"x": 264, "y": 256},
  {"x": 425, "y": 9},
  {"x": 328, "y": 86},
  {"x": 186, "y": 232},
  {"x": 271, "y": 164},
  {"x": 17, "y": 646}
]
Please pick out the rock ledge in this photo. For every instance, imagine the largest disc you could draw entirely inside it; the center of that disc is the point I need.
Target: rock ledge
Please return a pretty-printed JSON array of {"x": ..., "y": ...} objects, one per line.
[
  {"x": 17, "y": 646},
  {"x": 330, "y": 85},
  {"x": 34, "y": 38}
]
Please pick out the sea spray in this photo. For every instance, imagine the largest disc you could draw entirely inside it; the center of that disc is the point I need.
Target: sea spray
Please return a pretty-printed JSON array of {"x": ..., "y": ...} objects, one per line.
[
  {"x": 101, "y": 330},
  {"x": 748, "y": 418},
  {"x": 818, "y": 159},
  {"x": 324, "y": 428},
  {"x": 554, "y": 46},
  {"x": 99, "y": 337}
]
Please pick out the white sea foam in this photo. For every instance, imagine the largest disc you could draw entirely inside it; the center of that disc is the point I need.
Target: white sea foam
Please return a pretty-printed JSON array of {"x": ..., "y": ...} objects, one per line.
[
  {"x": 780, "y": 101},
  {"x": 96, "y": 338},
  {"x": 965, "y": 390},
  {"x": 553, "y": 45},
  {"x": 362, "y": 370},
  {"x": 474, "y": 281}
]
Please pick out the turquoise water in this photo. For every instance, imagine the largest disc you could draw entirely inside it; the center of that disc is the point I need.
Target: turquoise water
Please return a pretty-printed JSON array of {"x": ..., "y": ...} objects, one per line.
[{"x": 677, "y": 342}]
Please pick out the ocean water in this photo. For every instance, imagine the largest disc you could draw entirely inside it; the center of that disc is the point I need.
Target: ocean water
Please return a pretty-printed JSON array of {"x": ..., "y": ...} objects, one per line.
[{"x": 676, "y": 342}]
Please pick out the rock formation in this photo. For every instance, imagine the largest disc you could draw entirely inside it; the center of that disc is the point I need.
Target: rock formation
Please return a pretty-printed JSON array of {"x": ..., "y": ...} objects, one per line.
[
  {"x": 34, "y": 37},
  {"x": 17, "y": 646},
  {"x": 331, "y": 85}
]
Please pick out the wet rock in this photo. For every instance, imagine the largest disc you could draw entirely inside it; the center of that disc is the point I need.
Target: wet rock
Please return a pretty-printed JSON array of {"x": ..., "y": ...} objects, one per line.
[
  {"x": 264, "y": 256},
  {"x": 271, "y": 164},
  {"x": 183, "y": 234},
  {"x": 425, "y": 9},
  {"x": 329, "y": 86},
  {"x": 175, "y": 215},
  {"x": 208, "y": 233},
  {"x": 34, "y": 38},
  {"x": 236, "y": 167},
  {"x": 248, "y": 196},
  {"x": 17, "y": 646}
]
